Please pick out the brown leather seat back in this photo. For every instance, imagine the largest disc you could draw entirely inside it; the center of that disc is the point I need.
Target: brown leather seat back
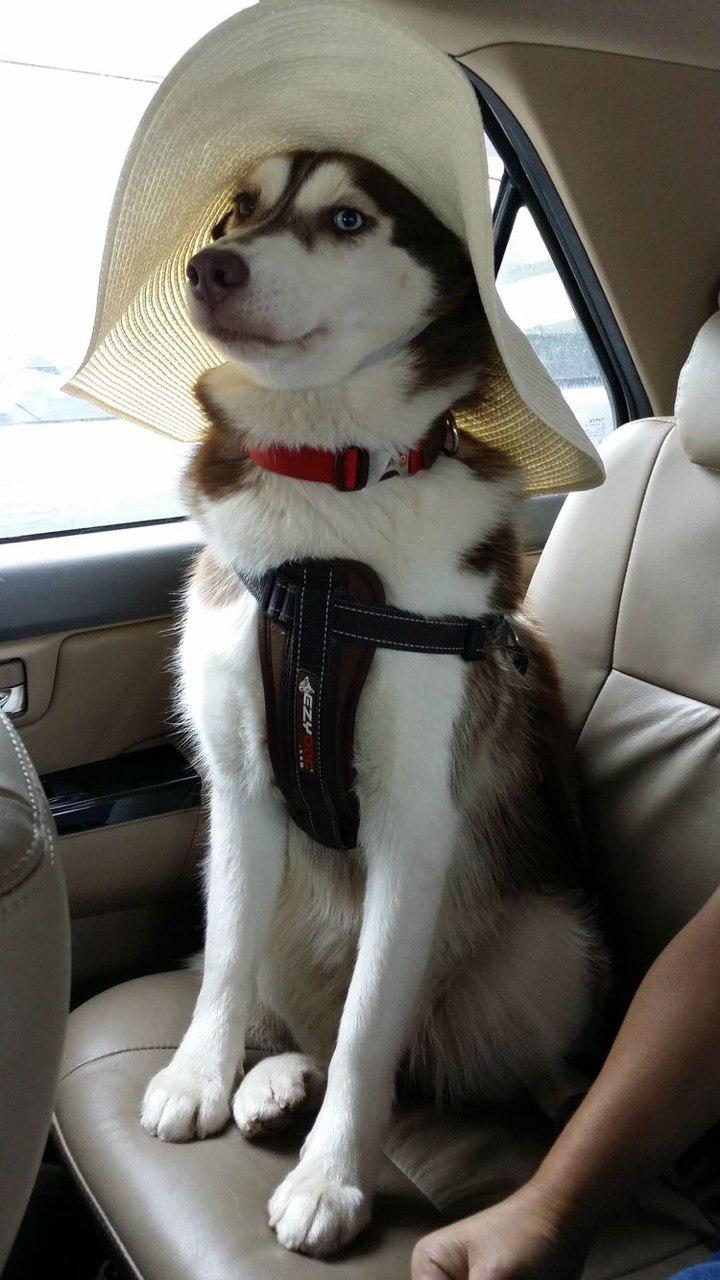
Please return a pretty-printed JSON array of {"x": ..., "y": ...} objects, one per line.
[
  {"x": 628, "y": 589},
  {"x": 34, "y": 978}
]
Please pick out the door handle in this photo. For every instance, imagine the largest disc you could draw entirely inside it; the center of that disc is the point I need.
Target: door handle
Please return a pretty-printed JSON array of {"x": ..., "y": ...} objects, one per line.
[{"x": 13, "y": 687}]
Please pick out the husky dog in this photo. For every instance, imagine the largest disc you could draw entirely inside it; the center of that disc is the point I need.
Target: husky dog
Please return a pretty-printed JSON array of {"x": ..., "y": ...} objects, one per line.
[{"x": 456, "y": 944}]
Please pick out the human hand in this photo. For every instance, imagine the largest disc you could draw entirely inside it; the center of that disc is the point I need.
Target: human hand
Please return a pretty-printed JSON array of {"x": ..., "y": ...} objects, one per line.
[{"x": 522, "y": 1238}]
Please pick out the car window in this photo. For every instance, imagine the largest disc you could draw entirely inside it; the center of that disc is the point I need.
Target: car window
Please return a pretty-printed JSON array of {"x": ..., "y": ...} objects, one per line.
[
  {"x": 496, "y": 170},
  {"x": 537, "y": 300},
  {"x": 74, "y": 105}
]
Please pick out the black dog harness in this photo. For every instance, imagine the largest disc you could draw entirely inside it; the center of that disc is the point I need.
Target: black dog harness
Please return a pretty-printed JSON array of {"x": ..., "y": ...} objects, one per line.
[{"x": 320, "y": 622}]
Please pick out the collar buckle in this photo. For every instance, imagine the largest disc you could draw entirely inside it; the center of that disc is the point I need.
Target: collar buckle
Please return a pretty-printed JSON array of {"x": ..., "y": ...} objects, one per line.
[
  {"x": 451, "y": 446},
  {"x": 352, "y": 467}
]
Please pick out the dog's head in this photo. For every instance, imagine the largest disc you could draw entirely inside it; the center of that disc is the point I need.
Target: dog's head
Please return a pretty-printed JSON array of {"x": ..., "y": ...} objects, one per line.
[{"x": 322, "y": 259}]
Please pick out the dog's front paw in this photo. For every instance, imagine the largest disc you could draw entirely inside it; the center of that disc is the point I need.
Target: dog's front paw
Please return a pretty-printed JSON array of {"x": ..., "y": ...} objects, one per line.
[
  {"x": 183, "y": 1102},
  {"x": 313, "y": 1213},
  {"x": 275, "y": 1090}
]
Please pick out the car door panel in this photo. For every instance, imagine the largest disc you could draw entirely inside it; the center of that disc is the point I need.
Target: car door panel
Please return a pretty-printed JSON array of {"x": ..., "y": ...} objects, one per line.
[
  {"x": 110, "y": 694},
  {"x": 94, "y": 694},
  {"x": 92, "y": 617}
]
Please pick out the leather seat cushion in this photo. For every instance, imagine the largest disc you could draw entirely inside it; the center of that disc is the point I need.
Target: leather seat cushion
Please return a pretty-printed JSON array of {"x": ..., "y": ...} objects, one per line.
[{"x": 197, "y": 1211}]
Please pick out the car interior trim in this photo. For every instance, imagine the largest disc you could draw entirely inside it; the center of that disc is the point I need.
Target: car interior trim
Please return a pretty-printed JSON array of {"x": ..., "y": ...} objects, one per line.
[
  {"x": 94, "y": 579},
  {"x": 137, "y": 784},
  {"x": 529, "y": 175}
]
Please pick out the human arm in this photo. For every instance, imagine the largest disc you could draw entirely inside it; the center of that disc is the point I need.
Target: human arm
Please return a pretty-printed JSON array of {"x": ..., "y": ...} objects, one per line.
[{"x": 658, "y": 1091}]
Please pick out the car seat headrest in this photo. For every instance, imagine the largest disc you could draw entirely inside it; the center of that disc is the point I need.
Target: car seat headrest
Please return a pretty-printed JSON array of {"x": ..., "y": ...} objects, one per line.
[{"x": 697, "y": 404}]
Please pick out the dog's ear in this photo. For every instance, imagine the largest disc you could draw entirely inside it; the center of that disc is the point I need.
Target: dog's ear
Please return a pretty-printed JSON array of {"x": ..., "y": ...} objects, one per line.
[{"x": 219, "y": 228}]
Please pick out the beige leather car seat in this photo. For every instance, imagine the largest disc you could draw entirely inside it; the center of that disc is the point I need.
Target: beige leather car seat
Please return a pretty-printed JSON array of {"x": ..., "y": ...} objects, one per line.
[
  {"x": 629, "y": 590},
  {"x": 34, "y": 978}
]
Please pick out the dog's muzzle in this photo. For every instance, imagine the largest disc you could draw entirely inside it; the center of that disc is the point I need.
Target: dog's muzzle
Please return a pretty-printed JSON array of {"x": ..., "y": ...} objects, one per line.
[{"x": 213, "y": 274}]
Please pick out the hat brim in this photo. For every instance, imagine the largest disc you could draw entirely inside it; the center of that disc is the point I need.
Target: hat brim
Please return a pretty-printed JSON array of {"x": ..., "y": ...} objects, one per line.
[{"x": 276, "y": 77}]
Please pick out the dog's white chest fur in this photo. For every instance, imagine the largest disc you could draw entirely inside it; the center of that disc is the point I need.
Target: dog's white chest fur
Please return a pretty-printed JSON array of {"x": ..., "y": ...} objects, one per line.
[{"x": 413, "y": 533}]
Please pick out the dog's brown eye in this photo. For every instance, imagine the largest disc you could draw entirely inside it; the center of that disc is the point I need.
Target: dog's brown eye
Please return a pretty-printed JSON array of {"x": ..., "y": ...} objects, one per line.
[{"x": 245, "y": 203}]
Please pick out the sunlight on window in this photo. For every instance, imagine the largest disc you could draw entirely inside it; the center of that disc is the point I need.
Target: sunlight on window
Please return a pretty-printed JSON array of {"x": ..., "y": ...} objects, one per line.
[
  {"x": 75, "y": 79},
  {"x": 537, "y": 300},
  {"x": 496, "y": 169}
]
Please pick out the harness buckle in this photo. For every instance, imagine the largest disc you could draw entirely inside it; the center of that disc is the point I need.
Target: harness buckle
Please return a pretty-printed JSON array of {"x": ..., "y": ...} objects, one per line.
[
  {"x": 275, "y": 599},
  {"x": 518, "y": 652},
  {"x": 475, "y": 637}
]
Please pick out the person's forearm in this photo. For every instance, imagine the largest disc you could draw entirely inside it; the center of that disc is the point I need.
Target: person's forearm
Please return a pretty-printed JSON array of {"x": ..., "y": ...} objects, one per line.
[{"x": 659, "y": 1088}]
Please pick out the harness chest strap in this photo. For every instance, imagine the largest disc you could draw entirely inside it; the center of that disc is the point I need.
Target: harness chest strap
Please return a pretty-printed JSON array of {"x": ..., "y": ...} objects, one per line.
[
  {"x": 319, "y": 625},
  {"x": 384, "y": 626}
]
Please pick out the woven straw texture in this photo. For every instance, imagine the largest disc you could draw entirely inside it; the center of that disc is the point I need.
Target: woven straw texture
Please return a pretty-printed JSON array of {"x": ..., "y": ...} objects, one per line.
[{"x": 317, "y": 74}]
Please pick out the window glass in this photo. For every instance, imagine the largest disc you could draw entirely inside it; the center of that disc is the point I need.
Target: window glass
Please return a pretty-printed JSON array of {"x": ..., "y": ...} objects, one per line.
[
  {"x": 74, "y": 104},
  {"x": 496, "y": 169},
  {"x": 536, "y": 299}
]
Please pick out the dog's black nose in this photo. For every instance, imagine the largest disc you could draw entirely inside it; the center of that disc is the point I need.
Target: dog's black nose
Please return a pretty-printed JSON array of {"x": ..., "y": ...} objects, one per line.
[{"x": 213, "y": 273}]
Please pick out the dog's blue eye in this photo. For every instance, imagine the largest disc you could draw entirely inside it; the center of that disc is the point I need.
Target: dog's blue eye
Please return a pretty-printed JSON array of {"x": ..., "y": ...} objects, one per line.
[
  {"x": 245, "y": 203},
  {"x": 347, "y": 219}
]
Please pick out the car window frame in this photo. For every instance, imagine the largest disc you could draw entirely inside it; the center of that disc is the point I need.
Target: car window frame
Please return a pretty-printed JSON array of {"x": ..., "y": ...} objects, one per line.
[{"x": 528, "y": 183}]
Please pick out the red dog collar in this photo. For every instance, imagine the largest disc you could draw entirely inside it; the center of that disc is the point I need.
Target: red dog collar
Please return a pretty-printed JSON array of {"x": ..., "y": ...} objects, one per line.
[{"x": 353, "y": 468}]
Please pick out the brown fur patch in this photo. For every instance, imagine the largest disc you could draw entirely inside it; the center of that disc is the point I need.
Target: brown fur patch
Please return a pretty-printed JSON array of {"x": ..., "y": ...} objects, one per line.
[
  {"x": 454, "y": 344},
  {"x": 486, "y": 461},
  {"x": 220, "y": 464},
  {"x": 513, "y": 771},
  {"x": 268, "y": 1032},
  {"x": 551, "y": 737},
  {"x": 216, "y": 585},
  {"x": 499, "y": 553}
]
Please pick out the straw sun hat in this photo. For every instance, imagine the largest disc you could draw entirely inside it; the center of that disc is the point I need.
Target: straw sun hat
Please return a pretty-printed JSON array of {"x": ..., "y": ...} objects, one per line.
[{"x": 291, "y": 74}]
